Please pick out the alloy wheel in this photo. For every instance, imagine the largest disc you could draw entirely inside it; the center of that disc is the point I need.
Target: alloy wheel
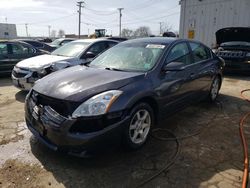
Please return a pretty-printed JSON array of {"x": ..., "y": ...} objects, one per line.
[{"x": 139, "y": 126}]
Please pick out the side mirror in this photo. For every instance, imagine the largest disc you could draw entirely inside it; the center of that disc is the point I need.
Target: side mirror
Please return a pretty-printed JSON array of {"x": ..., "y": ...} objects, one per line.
[
  {"x": 89, "y": 55},
  {"x": 174, "y": 66}
]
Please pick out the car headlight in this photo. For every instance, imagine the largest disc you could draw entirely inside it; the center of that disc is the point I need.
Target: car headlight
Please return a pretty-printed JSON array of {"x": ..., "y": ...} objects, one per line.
[
  {"x": 59, "y": 65},
  {"x": 43, "y": 71},
  {"x": 97, "y": 105}
]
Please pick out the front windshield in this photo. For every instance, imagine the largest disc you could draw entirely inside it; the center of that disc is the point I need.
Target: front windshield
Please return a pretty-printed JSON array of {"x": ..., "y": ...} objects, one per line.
[
  {"x": 56, "y": 42},
  {"x": 73, "y": 49},
  {"x": 130, "y": 57}
]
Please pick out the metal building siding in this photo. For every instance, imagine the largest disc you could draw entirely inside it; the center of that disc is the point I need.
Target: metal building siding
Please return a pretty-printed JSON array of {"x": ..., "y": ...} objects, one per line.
[{"x": 205, "y": 17}]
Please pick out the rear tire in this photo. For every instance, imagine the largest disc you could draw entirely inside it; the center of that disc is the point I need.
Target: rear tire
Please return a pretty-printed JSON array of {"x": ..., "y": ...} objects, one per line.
[
  {"x": 137, "y": 131},
  {"x": 214, "y": 90}
]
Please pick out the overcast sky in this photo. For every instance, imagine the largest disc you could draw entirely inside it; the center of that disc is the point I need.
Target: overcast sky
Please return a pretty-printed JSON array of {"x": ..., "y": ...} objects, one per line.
[{"x": 62, "y": 14}]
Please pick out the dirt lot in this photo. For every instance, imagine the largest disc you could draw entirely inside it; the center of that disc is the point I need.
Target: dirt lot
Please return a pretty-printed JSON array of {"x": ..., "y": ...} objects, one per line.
[{"x": 212, "y": 158}]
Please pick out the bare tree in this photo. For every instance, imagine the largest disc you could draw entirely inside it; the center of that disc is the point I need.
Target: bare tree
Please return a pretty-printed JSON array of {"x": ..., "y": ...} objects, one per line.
[
  {"x": 53, "y": 34},
  {"x": 142, "y": 31},
  {"x": 61, "y": 33},
  {"x": 127, "y": 33}
]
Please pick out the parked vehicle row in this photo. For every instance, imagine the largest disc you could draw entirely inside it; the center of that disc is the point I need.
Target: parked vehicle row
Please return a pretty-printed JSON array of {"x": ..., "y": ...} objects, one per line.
[
  {"x": 12, "y": 52},
  {"x": 28, "y": 71},
  {"x": 121, "y": 94},
  {"x": 39, "y": 45}
]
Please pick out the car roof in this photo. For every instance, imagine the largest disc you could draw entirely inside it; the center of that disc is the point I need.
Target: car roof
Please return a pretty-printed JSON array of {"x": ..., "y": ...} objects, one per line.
[
  {"x": 93, "y": 40},
  {"x": 158, "y": 40},
  {"x": 32, "y": 40},
  {"x": 61, "y": 39}
]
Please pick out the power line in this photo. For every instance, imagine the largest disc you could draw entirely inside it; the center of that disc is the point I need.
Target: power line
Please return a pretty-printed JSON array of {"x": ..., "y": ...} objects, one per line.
[
  {"x": 144, "y": 5},
  {"x": 47, "y": 21},
  {"x": 154, "y": 18},
  {"x": 100, "y": 12},
  {"x": 138, "y": 18}
]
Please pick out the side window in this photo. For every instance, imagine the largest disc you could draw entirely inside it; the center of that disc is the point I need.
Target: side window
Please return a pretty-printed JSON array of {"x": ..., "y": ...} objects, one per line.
[
  {"x": 111, "y": 44},
  {"x": 65, "y": 42},
  {"x": 21, "y": 49},
  {"x": 3, "y": 49},
  {"x": 179, "y": 53},
  {"x": 200, "y": 52},
  {"x": 98, "y": 47},
  {"x": 36, "y": 44}
]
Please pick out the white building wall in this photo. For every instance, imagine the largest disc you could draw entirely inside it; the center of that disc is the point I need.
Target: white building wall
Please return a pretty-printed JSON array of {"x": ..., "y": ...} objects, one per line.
[
  {"x": 7, "y": 31},
  {"x": 204, "y": 17}
]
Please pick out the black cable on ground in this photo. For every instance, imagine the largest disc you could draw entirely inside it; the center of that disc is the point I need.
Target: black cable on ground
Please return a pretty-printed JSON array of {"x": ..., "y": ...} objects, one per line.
[
  {"x": 168, "y": 165},
  {"x": 177, "y": 140}
]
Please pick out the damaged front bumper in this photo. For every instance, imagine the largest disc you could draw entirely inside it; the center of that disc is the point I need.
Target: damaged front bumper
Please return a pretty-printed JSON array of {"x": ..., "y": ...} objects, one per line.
[
  {"x": 59, "y": 133},
  {"x": 23, "y": 78}
]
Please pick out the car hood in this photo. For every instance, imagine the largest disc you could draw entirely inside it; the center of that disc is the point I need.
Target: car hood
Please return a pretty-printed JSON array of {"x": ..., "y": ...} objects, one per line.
[
  {"x": 41, "y": 61},
  {"x": 233, "y": 34},
  {"x": 79, "y": 83},
  {"x": 53, "y": 45}
]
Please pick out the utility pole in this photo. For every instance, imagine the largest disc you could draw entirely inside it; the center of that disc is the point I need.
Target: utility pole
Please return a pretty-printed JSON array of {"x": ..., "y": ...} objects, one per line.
[
  {"x": 79, "y": 4},
  {"x": 120, "y": 21},
  {"x": 26, "y": 27},
  {"x": 160, "y": 27},
  {"x": 49, "y": 29}
]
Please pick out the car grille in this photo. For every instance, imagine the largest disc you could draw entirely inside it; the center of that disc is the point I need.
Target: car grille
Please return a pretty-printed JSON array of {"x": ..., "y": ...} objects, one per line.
[
  {"x": 51, "y": 117},
  {"x": 232, "y": 54},
  {"x": 20, "y": 72},
  {"x": 54, "y": 106}
]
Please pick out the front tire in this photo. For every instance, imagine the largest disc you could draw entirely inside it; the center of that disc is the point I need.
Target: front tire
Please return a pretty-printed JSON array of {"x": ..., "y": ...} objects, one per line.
[{"x": 137, "y": 131}]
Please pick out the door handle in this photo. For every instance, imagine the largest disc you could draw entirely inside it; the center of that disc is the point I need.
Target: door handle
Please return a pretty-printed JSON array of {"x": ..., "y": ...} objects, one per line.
[{"x": 192, "y": 75}]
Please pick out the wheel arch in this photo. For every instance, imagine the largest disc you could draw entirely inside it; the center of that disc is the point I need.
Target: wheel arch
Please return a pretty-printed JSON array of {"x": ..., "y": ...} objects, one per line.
[{"x": 151, "y": 102}]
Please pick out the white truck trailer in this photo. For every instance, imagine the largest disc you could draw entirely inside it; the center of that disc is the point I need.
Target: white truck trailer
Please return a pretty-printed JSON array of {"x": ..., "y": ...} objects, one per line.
[{"x": 200, "y": 19}]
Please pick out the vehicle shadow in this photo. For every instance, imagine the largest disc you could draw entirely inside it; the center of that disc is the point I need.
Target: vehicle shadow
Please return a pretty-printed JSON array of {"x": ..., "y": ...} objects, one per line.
[
  {"x": 215, "y": 150},
  {"x": 20, "y": 96},
  {"x": 4, "y": 81},
  {"x": 238, "y": 76}
]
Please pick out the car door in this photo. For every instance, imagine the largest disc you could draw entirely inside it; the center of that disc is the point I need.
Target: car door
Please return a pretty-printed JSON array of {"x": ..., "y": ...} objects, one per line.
[
  {"x": 177, "y": 86},
  {"x": 202, "y": 65},
  {"x": 5, "y": 65},
  {"x": 19, "y": 52},
  {"x": 95, "y": 49}
]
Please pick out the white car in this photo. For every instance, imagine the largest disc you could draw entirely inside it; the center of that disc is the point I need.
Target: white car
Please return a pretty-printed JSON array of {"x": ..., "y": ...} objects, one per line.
[{"x": 26, "y": 72}]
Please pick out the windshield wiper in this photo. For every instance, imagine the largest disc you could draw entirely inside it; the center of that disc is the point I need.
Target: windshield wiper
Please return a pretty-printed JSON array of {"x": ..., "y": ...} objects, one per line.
[
  {"x": 113, "y": 69},
  {"x": 85, "y": 64}
]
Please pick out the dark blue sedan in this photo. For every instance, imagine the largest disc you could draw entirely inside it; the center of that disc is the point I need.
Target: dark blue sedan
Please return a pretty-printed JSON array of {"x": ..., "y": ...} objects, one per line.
[{"x": 122, "y": 93}]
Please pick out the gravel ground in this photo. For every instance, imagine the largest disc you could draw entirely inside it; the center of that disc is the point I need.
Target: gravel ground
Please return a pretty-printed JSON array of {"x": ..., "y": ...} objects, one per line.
[{"x": 212, "y": 158}]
